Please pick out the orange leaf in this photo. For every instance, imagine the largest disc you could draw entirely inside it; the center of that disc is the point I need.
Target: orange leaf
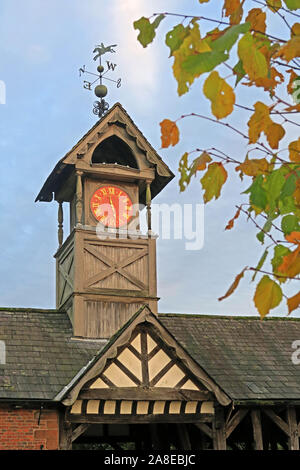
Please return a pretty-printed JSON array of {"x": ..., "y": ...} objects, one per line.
[
  {"x": 290, "y": 265},
  {"x": 260, "y": 121},
  {"x": 254, "y": 167},
  {"x": 294, "y": 149},
  {"x": 231, "y": 221},
  {"x": 257, "y": 19},
  {"x": 290, "y": 50},
  {"x": 169, "y": 133},
  {"x": 293, "y": 237},
  {"x": 293, "y": 302},
  {"x": 233, "y": 285}
]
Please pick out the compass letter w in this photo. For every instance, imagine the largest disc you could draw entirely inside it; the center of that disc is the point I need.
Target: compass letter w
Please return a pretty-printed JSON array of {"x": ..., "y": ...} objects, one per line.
[{"x": 110, "y": 65}]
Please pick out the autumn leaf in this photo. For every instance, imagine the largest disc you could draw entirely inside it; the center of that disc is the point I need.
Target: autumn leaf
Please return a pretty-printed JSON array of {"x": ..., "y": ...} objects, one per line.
[
  {"x": 254, "y": 62},
  {"x": 233, "y": 9},
  {"x": 260, "y": 264},
  {"x": 213, "y": 180},
  {"x": 233, "y": 285},
  {"x": 230, "y": 224},
  {"x": 257, "y": 19},
  {"x": 293, "y": 237},
  {"x": 293, "y": 302},
  {"x": 200, "y": 163},
  {"x": 260, "y": 122},
  {"x": 290, "y": 50},
  {"x": 147, "y": 29},
  {"x": 268, "y": 295},
  {"x": 294, "y": 151},
  {"x": 169, "y": 133},
  {"x": 274, "y": 5},
  {"x": 253, "y": 167},
  {"x": 290, "y": 265},
  {"x": 175, "y": 37},
  {"x": 220, "y": 94}
]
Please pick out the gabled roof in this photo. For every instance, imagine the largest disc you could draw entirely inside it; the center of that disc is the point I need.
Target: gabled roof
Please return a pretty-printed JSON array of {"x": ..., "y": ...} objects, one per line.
[
  {"x": 249, "y": 358},
  {"x": 246, "y": 358},
  {"x": 116, "y": 115}
]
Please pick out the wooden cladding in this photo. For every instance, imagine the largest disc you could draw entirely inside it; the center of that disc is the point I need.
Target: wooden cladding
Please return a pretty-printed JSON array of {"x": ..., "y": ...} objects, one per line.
[{"x": 106, "y": 281}]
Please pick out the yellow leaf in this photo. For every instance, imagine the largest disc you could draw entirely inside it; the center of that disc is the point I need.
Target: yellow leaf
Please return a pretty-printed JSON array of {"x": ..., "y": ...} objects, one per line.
[
  {"x": 267, "y": 296},
  {"x": 257, "y": 19},
  {"x": 274, "y": 5},
  {"x": 294, "y": 149},
  {"x": 293, "y": 302},
  {"x": 260, "y": 121},
  {"x": 213, "y": 180},
  {"x": 200, "y": 163},
  {"x": 296, "y": 29},
  {"x": 233, "y": 285},
  {"x": 220, "y": 94},
  {"x": 254, "y": 167},
  {"x": 169, "y": 133}
]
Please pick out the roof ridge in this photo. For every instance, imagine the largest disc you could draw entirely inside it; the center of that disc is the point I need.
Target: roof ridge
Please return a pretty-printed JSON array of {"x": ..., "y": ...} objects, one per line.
[
  {"x": 31, "y": 310},
  {"x": 226, "y": 317}
]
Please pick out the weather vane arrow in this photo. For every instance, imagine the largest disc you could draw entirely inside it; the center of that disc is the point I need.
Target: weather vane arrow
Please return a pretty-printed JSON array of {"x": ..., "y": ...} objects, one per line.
[{"x": 101, "y": 106}]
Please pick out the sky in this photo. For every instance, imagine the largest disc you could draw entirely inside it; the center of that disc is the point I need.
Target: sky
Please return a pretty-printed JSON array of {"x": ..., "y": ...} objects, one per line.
[{"x": 43, "y": 44}]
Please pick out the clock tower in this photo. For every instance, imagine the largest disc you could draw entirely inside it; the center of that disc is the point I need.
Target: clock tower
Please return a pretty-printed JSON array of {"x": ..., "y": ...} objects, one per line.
[{"x": 106, "y": 268}]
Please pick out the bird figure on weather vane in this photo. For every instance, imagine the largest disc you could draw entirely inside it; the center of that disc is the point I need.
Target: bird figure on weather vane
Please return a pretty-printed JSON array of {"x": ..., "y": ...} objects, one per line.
[{"x": 101, "y": 106}]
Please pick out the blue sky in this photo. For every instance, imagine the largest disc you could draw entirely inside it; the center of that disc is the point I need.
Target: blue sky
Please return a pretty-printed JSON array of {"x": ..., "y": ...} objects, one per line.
[{"x": 43, "y": 44}]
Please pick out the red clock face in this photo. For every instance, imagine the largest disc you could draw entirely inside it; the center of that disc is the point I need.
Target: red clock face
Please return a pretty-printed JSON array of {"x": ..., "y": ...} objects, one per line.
[{"x": 111, "y": 206}]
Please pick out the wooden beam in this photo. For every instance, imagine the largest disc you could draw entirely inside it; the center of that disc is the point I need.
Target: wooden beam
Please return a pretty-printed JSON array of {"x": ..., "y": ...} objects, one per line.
[
  {"x": 205, "y": 429},
  {"x": 183, "y": 437},
  {"x": 138, "y": 393},
  {"x": 219, "y": 431},
  {"x": 277, "y": 420},
  {"x": 132, "y": 419},
  {"x": 79, "y": 430},
  {"x": 293, "y": 428},
  {"x": 65, "y": 433},
  {"x": 60, "y": 217},
  {"x": 257, "y": 430},
  {"x": 235, "y": 421}
]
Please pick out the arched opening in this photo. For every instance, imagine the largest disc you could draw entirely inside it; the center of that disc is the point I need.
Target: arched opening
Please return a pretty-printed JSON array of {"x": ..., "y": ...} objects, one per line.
[{"x": 114, "y": 150}]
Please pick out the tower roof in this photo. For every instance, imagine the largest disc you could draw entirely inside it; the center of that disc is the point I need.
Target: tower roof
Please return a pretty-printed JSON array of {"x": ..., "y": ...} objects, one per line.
[{"x": 115, "y": 118}]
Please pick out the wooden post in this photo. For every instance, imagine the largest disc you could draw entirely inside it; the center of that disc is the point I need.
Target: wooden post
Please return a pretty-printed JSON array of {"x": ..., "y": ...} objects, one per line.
[
  {"x": 60, "y": 224},
  {"x": 293, "y": 428},
  {"x": 148, "y": 203},
  {"x": 79, "y": 200},
  {"x": 219, "y": 432},
  {"x": 257, "y": 431},
  {"x": 65, "y": 433}
]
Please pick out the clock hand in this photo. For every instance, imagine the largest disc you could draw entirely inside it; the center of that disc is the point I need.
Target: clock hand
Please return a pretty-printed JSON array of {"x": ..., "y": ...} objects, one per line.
[{"x": 113, "y": 207}]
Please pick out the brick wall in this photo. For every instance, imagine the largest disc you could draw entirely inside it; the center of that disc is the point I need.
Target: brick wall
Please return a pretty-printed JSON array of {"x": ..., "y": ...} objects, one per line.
[{"x": 19, "y": 429}]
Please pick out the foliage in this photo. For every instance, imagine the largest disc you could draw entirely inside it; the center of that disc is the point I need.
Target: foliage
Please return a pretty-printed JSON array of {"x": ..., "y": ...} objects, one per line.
[{"x": 270, "y": 64}]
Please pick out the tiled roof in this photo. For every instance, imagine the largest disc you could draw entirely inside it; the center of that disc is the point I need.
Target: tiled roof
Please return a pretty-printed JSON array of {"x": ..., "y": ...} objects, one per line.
[
  {"x": 248, "y": 358},
  {"x": 41, "y": 356}
]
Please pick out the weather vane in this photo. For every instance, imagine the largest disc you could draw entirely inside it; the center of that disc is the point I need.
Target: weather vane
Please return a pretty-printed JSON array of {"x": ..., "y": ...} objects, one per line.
[{"x": 101, "y": 106}]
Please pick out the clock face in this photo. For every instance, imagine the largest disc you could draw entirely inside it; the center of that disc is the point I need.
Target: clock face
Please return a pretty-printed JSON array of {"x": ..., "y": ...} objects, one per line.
[{"x": 111, "y": 206}]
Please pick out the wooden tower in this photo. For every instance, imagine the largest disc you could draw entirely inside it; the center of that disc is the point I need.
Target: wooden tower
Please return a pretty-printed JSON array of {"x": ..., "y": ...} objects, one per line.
[{"x": 105, "y": 270}]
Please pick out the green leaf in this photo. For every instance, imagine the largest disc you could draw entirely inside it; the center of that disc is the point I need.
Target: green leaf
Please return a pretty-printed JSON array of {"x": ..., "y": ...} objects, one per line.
[
  {"x": 292, "y": 4},
  {"x": 225, "y": 42},
  {"x": 289, "y": 187},
  {"x": 175, "y": 37},
  {"x": 260, "y": 263},
  {"x": 147, "y": 29},
  {"x": 258, "y": 195},
  {"x": 239, "y": 71},
  {"x": 290, "y": 223},
  {"x": 273, "y": 185},
  {"x": 203, "y": 62},
  {"x": 261, "y": 237},
  {"x": 254, "y": 62},
  {"x": 183, "y": 170}
]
